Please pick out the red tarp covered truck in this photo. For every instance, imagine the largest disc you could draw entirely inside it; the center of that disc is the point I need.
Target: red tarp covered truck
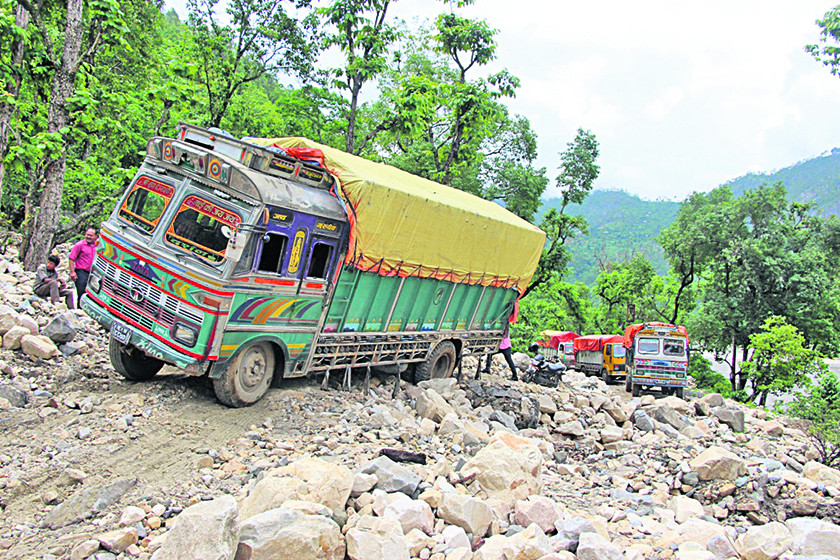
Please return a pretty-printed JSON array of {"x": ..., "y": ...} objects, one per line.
[
  {"x": 558, "y": 344},
  {"x": 657, "y": 356},
  {"x": 601, "y": 354}
]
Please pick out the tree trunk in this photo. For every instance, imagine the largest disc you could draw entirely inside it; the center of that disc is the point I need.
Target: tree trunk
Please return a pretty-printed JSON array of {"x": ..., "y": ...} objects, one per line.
[
  {"x": 12, "y": 88},
  {"x": 733, "y": 368},
  {"x": 64, "y": 82}
]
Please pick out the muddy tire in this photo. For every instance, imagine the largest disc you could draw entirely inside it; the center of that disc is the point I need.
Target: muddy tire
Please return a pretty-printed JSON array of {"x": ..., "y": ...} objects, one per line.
[
  {"x": 635, "y": 389},
  {"x": 439, "y": 364},
  {"x": 679, "y": 392},
  {"x": 628, "y": 382},
  {"x": 247, "y": 377},
  {"x": 131, "y": 363},
  {"x": 605, "y": 376}
]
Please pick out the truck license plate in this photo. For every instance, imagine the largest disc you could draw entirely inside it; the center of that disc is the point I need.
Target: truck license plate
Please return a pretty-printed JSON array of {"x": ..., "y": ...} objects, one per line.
[{"x": 120, "y": 332}]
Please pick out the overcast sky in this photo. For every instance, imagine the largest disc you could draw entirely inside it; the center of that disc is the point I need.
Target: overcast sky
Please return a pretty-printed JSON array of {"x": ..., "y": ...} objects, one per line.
[{"x": 682, "y": 96}]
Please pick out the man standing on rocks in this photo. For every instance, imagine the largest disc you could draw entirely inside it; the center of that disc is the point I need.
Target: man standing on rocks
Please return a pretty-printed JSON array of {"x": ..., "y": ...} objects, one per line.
[
  {"x": 49, "y": 284},
  {"x": 81, "y": 261}
]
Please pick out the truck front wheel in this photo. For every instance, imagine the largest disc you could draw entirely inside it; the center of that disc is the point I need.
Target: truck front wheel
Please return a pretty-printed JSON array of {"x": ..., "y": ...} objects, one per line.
[
  {"x": 635, "y": 389},
  {"x": 246, "y": 378},
  {"x": 131, "y": 363},
  {"x": 628, "y": 382},
  {"x": 605, "y": 376},
  {"x": 439, "y": 364}
]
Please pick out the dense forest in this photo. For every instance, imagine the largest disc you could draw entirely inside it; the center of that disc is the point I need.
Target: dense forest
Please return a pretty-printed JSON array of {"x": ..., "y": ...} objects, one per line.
[{"x": 85, "y": 83}]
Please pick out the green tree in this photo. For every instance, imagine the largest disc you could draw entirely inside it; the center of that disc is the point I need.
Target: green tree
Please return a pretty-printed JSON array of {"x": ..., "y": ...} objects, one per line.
[
  {"x": 780, "y": 362},
  {"x": 555, "y": 305},
  {"x": 262, "y": 38},
  {"x": 827, "y": 50},
  {"x": 578, "y": 172},
  {"x": 820, "y": 408}
]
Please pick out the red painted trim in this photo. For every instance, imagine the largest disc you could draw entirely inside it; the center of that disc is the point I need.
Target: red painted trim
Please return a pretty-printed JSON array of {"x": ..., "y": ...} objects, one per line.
[
  {"x": 191, "y": 304},
  {"x": 274, "y": 282},
  {"x": 147, "y": 331},
  {"x": 190, "y": 282},
  {"x": 311, "y": 285}
]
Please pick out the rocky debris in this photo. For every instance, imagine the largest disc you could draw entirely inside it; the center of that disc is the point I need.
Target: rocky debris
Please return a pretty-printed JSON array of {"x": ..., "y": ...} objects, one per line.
[
  {"x": 93, "y": 467},
  {"x": 60, "y": 328}
]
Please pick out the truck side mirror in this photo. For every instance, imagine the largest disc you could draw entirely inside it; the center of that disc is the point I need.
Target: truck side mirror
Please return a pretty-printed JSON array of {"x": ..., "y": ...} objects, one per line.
[{"x": 235, "y": 245}]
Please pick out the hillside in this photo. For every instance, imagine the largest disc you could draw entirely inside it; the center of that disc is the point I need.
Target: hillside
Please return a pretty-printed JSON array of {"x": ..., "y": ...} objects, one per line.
[
  {"x": 620, "y": 225},
  {"x": 813, "y": 180}
]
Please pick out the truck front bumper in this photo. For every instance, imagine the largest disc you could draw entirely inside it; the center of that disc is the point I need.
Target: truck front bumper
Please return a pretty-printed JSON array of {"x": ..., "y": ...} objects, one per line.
[
  {"x": 138, "y": 339},
  {"x": 659, "y": 381}
]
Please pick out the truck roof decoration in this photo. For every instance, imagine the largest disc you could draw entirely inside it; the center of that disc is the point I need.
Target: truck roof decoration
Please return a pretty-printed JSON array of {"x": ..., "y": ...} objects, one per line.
[
  {"x": 405, "y": 225},
  {"x": 596, "y": 342},
  {"x": 552, "y": 339},
  {"x": 655, "y": 327}
]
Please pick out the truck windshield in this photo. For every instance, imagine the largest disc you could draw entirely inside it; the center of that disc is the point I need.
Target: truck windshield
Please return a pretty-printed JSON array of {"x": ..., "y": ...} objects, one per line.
[
  {"x": 619, "y": 351},
  {"x": 146, "y": 202},
  {"x": 568, "y": 348},
  {"x": 648, "y": 346},
  {"x": 673, "y": 347},
  {"x": 202, "y": 228}
]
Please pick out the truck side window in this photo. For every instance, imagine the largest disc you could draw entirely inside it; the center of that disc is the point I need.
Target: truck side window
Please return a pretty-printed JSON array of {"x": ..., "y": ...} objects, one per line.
[
  {"x": 273, "y": 251},
  {"x": 145, "y": 204},
  {"x": 319, "y": 261}
]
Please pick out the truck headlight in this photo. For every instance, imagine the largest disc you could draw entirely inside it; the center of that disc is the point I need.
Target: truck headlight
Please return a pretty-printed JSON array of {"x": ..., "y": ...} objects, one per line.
[
  {"x": 184, "y": 334},
  {"x": 94, "y": 282}
]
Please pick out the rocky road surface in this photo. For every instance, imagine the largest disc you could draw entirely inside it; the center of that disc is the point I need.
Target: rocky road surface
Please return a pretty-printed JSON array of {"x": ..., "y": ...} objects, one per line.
[{"x": 93, "y": 466}]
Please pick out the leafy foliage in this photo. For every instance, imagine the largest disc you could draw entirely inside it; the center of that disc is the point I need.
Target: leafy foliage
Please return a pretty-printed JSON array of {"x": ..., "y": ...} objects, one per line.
[
  {"x": 827, "y": 50},
  {"x": 820, "y": 408},
  {"x": 707, "y": 378}
]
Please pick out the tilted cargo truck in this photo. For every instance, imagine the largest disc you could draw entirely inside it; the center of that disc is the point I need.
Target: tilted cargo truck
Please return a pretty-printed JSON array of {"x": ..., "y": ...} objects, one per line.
[
  {"x": 557, "y": 345},
  {"x": 601, "y": 354},
  {"x": 257, "y": 259},
  {"x": 657, "y": 356}
]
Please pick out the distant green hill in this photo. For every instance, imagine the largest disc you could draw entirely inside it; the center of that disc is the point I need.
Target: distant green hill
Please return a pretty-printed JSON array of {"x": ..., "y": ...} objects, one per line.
[
  {"x": 813, "y": 180},
  {"x": 620, "y": 225}
]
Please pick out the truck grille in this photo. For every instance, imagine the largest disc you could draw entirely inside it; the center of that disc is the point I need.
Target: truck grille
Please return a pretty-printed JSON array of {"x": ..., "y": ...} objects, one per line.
[{"x": 152, "y": 300}]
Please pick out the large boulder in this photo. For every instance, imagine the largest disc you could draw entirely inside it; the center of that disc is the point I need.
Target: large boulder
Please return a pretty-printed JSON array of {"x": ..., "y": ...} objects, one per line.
[
  {"x": 643, "y": 421},
  {"x": 685, "y": 508},
  {"x": 391, "y": 476},
  {"x": 764, "y": 542},
  {"x": 8, "y": 319},
  {"x": 616, "y": 411},
  {"x": 11, "y": 340},
  {"x": 540, "y": 510},
  {"x": 526, "y": 544},
  {"x": 376, "y": 538},
  {"x": 717, "y": 463},
  {"x": 593, "y": 546},
  {"x": 307, "y": 479},
  {"x": 411, "y": 514},
  {"x": 431, "y": 405},
  {"x": 731, "y": 416},
  {"x": 821, "y": 473},
  {"x": 60, "y": 329},
  {"x": 205, "y": 530},
  {"x": 665, "y": 414},
  {"x": 284, "y": 534},
  {"x": 38, "y": 346},
  {"x": 471, "y": 514},
  {"x": 508, "y": 468},
  {"x": 86, "y": 503},
  {"x": 812, "y": 537}
]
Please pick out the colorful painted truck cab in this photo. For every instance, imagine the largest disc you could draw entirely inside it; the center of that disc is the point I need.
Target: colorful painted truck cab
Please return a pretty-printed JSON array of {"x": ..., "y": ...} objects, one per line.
[
  {"x": 601, "y": 354},
  {"x": 557, "y": 345},
  {"x": 256, "y": 259},
  {"x": 657, "y": 356}
]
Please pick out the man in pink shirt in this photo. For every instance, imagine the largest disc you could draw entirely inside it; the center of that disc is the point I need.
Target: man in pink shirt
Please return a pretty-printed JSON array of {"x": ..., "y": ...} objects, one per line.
[
  {"x": 81, "y": 261},
  {"x": 504, "y": 350}
]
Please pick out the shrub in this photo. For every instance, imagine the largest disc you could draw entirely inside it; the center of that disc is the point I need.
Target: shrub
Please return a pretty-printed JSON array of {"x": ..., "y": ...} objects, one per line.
[
  {"x": 820, "y": 408},
  {"x": 705, "y": 377}
]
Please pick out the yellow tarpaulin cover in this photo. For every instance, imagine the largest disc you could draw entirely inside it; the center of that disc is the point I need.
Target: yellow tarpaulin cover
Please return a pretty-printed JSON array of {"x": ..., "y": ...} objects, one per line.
[{"x": 409, "y": 226}]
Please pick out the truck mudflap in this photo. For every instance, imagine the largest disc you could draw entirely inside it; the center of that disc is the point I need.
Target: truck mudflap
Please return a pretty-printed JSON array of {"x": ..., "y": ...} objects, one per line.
[
  {"x": 131, "y": 336},
  {"x": 659, "y": 381}
]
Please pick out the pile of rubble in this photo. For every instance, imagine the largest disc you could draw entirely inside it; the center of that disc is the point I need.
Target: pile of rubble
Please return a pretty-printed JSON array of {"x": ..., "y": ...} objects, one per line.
[{"x": 489, "y": 469}]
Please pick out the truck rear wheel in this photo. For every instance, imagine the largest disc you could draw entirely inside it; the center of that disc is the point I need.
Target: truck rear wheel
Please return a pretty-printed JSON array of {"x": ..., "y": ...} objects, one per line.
[
  {"x": 628, "y": 382},
  {"x": 131, "y": 363},
  {"x": 635, "y": 389},
  {"x": 439, "y": 364},
  {"x": 247, "y": 377},
  {"x": 679, "y": 392}
]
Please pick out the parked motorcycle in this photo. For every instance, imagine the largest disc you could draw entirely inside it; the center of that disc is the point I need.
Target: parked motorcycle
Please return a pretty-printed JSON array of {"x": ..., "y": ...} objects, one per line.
[{"x": 543, "y": 371}]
